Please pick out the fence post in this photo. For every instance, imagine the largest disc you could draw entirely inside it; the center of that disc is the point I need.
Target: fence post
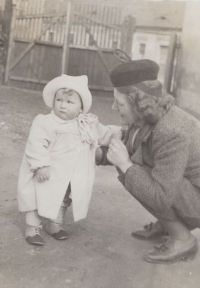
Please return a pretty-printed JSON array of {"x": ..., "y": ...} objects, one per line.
[
  {"x": 170, "y": 63},
  {"x": 128, "y": 28},
  {"x": 9, "y": 45},
  {"x": 66, "y": 48}
]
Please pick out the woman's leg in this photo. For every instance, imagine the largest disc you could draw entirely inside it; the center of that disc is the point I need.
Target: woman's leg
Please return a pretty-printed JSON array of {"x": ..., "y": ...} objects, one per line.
[
  {"x": 177, "y": 230},
  {"x": 185, "y": 215},
  {"x": 152, "y": 230},
  {"x": 180, "y": 245}
]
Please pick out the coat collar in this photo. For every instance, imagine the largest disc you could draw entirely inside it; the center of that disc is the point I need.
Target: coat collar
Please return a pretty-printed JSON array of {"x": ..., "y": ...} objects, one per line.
[
  {"x": 143, "y": 134},
  {"x": 142, "y": 137}
]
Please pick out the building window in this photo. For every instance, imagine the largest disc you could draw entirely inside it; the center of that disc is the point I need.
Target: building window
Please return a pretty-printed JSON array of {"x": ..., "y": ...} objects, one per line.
[
  {"x": 142, "y": 49},
  {"x": 163, "y": 54}
]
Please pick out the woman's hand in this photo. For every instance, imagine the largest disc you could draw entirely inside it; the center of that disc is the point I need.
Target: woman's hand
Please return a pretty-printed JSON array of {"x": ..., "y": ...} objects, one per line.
[
  {"x": 117, "y": 134},
  {"x": 118, "y": 155},
  {"x": 42, "y": 174}
]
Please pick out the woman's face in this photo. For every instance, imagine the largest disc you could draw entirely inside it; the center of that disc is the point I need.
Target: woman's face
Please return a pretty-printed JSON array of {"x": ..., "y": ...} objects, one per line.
[
  {"x": 128, "y": 114},
  {"x": 67, "y": 104}
]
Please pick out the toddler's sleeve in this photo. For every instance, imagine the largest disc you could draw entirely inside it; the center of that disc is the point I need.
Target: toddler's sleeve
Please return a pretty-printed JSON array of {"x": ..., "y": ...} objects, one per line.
[
  {"x": 106, "y": 133},
  {"x": 36, "y": 150}
]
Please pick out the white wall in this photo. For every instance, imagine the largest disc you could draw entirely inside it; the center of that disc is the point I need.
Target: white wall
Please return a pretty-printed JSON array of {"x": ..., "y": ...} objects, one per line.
[
  {"x": 2, "y": 4},
  {"x": 156, "y": 49},
  {"x": 188, "y": 88}
]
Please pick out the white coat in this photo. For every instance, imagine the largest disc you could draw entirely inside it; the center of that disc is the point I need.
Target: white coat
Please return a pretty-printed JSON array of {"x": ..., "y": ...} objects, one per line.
[{"x": 59, "y": 144}]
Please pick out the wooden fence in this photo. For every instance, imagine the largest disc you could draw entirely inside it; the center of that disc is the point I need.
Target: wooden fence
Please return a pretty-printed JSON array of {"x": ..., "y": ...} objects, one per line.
[
  {"x": 81, "y": 41},
  {"x": 106, "y": 28},
  {"x": 47, "y": 28},
  {"x": 30, "y": 7}
]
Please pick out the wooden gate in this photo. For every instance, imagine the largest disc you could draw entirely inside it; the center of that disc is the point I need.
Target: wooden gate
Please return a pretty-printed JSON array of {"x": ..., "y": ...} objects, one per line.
[{"x": 81, "y": 41}]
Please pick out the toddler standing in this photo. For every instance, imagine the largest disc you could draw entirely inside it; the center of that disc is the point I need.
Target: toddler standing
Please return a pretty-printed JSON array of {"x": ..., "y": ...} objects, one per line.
[{"x": 59, "y": 159}]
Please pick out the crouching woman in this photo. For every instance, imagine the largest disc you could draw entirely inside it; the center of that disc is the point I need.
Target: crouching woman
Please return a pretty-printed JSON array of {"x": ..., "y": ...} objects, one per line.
[{"x": 158, "y": 160}]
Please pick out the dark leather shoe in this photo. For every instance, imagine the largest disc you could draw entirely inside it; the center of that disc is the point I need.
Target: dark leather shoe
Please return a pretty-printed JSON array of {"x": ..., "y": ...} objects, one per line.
[
  {"x": 166, "y": 253},
  {"x": 35, "y": 240},
  {"x": 150, "y": 231},
  {"x": 33, "y": 235},
  {"x": 61, "y": 235},
  {"x": 55, "y": 230}
]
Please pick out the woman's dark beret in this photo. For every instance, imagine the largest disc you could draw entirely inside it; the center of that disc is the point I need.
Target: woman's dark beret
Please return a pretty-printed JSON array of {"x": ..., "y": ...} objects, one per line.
[{"x": 134, "y": 72}]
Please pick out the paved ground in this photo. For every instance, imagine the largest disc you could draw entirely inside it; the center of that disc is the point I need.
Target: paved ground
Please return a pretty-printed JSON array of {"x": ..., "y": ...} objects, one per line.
[{"x": 100, "y": 251}]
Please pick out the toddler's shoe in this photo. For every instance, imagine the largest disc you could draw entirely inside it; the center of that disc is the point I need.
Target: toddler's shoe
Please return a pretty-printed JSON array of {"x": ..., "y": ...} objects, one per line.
[
  {"x": 55, "y": 230},
  {"x": 33, "y": 235}
]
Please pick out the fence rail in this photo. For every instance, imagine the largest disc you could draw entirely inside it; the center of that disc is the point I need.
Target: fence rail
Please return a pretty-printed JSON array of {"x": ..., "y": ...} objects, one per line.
[
  {"x": 30, "y": 7},
  {"x": 103, "y": 14},
  {"x": 80, "y": 42},
  {"x": 104, "y": 27},
  {"x": 105, "y": 35}
]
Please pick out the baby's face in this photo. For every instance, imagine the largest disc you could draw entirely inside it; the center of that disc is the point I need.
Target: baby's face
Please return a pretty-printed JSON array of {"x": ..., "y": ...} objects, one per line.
[{"x": 67, "y": 104}]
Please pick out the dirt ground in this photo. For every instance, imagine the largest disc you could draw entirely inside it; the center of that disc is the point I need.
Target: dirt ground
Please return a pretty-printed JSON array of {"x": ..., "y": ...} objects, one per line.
[{"x": 100, "y": 252}]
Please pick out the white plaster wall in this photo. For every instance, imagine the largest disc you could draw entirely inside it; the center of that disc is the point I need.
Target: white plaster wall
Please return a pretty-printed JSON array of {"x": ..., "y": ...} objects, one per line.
[
  {"x": 188, "y": 86},
  {"x": 153, "y": 43}
]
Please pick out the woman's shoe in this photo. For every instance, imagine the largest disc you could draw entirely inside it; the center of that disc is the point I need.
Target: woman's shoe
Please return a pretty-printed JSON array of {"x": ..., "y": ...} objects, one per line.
[
  {"x": 150, "y": 231},
  {"x": 33, "y": 235},
  {"x": 55, "y": 230},
  {"x": 167, "y": 253}
]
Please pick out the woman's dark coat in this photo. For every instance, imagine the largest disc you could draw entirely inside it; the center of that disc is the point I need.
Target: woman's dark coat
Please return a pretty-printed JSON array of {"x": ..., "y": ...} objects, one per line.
[{"x": 165, "y": 175}]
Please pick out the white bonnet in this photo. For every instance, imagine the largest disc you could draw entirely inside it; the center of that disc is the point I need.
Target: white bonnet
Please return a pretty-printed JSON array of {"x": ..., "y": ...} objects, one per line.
[{"x": 76, "y": 83}]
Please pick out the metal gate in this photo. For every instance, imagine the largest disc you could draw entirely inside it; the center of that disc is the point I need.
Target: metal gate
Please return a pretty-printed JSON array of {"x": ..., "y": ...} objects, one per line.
[{"x": 81, "y": 41}]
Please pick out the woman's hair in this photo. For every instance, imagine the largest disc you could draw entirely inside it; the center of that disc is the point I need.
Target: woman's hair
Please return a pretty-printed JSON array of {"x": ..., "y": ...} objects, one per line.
[{"x": 150, "y": 108}]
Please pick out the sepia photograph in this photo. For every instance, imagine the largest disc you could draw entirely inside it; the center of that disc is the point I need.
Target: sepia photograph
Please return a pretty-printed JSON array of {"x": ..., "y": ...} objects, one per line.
[{"x": 99, "y": 143}]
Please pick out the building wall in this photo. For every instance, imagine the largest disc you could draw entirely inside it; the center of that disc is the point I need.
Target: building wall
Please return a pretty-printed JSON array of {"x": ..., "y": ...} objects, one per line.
[
  {"x": 188, "y": 85},
  {"x": 152, "y": 46},
  {"x": 2, "y": 4}
]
